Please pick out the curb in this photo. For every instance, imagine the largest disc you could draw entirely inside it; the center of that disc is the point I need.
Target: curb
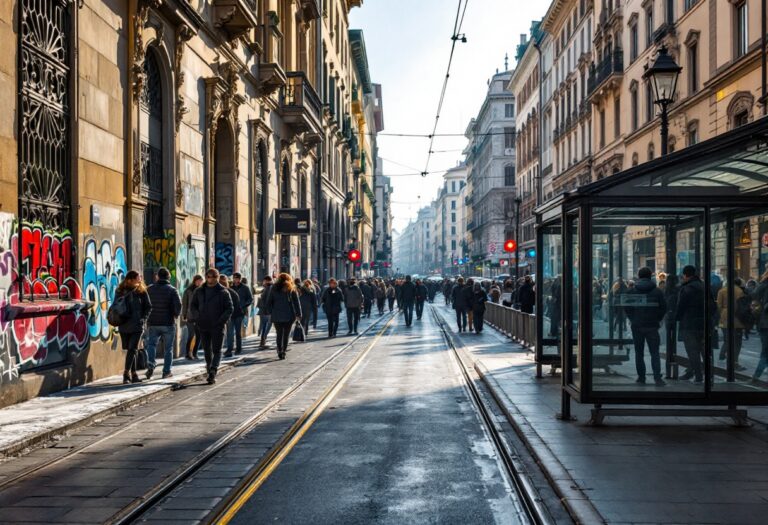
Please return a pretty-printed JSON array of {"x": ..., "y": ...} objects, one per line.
[{"x": 26, "y": 444}]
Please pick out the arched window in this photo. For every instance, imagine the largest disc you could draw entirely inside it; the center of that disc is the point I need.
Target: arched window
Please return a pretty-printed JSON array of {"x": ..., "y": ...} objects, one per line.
[
  {"x": 635, "y": 159},
  {"x": 152, "y": 147},
  {"x": 651, "y": 151},
  {"x": 740, "y": 109}
]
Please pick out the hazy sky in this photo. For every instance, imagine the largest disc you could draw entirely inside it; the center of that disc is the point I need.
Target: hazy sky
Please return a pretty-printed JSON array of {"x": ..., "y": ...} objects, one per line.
[{"x": 408, "y": 43}]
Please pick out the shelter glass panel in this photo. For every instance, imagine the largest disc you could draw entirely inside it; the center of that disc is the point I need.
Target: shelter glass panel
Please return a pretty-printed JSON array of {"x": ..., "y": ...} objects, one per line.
[
  {"x": 552, "y": 282},
  {"x": 572, "y": 312}
]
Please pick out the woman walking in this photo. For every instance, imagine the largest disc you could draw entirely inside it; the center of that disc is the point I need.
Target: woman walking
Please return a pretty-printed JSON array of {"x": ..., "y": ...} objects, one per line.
[
  {"x": 308, "y": 301},
  {"x": 331, "y": 300},
  {"x": 391, "y": 294},
  {"x": 284, "y": 307},
  {"x": 381, "y": 296},
  {"x": 131, "y": 328},
  {"x": 192, "y": 332},
  {"x": 478, "y": 306}
]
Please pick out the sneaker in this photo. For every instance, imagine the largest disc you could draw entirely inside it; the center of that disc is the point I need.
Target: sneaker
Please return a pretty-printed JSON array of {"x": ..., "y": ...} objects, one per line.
[
  {"x": 166, "y": 375},
  {"x": 660, "y": 382},
  {"x": 640, "y": 380},
  {"x": 211, "y": 379},
  {"x": 149, "y": 373}
]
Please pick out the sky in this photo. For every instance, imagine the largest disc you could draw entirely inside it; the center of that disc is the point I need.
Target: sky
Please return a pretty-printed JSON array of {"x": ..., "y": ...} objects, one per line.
[{"x": 408, "y": 44}]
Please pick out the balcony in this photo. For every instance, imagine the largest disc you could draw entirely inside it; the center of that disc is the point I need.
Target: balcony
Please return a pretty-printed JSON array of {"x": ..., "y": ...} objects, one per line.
[
  {"x": 609, "y": 69},
  {"x": 666, "y": 31},
  {"x": 235, "y": 17},
  {"x": 310, "y": 9},
  {"x": 584, "y": 109},
  {"x": 271, "y": 74},
  {"x": 300, "y": 106}
]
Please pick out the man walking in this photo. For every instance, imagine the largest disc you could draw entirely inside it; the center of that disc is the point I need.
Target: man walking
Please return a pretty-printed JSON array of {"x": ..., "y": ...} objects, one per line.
[
  {"x": 367, "y": 290},
  {"x": 646, "y": 308},
  {"x": 690, "y": 316},
  {"x": 245, "y": 297},
  {"x": 331, "y": 301},
  {"x": 211, "y": 308},
  {"x": 166, "y": 307},
  {"x": 407, "y": 299},
  {"x": 236, "y": 317},
  {"x": 422, "y": 293},
  {"x": 353, "y": 301},
  {"x": 264, "y": 320}
]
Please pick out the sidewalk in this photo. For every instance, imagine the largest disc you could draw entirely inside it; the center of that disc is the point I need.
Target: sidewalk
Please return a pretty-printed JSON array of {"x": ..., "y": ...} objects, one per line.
[
  {"x": 632, "y": 470},
  {"x": 31, "y": 423}
]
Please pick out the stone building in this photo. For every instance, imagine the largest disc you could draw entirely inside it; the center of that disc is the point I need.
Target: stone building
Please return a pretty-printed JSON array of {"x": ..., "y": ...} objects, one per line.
[
  {"x": 383, "y": 222},
  {"x": 449, "y": 222},
  {"x": 148, "y": 133}
]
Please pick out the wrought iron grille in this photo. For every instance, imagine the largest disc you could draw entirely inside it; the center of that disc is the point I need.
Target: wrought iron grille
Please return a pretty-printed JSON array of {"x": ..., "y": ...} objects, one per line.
[
  {"x": 151, "y": 172},
  {"x": 44, "y": 129}
]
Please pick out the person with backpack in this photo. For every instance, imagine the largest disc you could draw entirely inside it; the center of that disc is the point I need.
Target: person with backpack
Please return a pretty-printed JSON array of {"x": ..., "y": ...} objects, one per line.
[
  {"x": 353, "y": 301},
  {"x": 407, "y": 299},
  {"x": 236, "y": 319},
  {"x": 190, "y": 327},
  {"x": 646, "y": 308},
  {"x": 211, "y": 308},
  {"x": 332, "y": 300},
  {"x": 742, "y": 319},
  {"x": 285, "y": 309},
  {"x": 468, "y": 293},
  {"x": 129, "y": 312},
  {"x": 166, "y": 307},
  {"x": 760, "y": 299},
  {"x": 244, "y": 300}
]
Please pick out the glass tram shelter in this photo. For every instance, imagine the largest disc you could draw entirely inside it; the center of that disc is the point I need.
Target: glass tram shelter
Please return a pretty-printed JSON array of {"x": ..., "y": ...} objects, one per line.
[{"x": 705, "y": 206}]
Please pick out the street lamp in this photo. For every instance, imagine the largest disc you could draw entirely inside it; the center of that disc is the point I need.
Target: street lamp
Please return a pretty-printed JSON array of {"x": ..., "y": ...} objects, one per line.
[
  {"x": 518, "y": 201},
  {"x": 663, "y": 76}
]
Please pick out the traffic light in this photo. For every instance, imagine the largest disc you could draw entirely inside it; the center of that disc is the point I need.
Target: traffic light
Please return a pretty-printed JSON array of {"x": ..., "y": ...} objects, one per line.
[
  {"x": 510, "y": 245},
  {"x": 531, "y": 253},
  {"x": 354, "y": 256}
]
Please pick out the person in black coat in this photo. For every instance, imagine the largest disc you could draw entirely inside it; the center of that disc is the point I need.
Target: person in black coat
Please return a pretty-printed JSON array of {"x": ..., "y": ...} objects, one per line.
[
  {"x": 690, "y": 316},
  {"x": 132, "y": 327},
  {"x": 284, "y": 308},
  {"x": 646, "y": 308},
  {"x": 368, "y": 294},
  {"x": 332, "y": 299},
  {"x": 166, "y": 308},
  {"x": 407, "y": 299},
  {"x": 236, "y": 319},
  {"x": 211, "y": 308},
  {"x": 308, "y": 301},
  {"x": 526, "y": 295},
  {"x": 468, "y": 293},
  {"x": 479, "y": 298},
  {"x": 422, "y": 294},
  {"x": 241, "y": 306},
  {"x": 457, "y": 299}
]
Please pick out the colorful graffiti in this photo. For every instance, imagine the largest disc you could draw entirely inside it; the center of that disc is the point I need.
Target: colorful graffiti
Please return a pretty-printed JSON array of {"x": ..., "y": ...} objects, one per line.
[
  {"x": 225, "y": 258},
  {"x": 160, "y": 251},
  {"x": 190, "y": 260},
  {"x": 243, "y": 260},
  {"x": 104, "y": 266}
]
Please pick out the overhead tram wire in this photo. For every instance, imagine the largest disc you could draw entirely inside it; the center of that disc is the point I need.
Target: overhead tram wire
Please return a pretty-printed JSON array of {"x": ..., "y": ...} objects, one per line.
[{"x": 454, "y": 38}]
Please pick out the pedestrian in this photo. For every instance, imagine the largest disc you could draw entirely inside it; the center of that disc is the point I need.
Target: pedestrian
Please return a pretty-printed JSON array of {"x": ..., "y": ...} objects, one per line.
[
  {"x": 245, "y": 298},
  {"x": 646, "y": 308},
  {"x": 691, "y": 320},
  {"x": 318, "y": 291},
  {"x": 459, "y": 305},
  {"x": 478, "y": 306},
  {"x": 422, "y": 294},
  {"x": 265, "y": 324},
  {"x": 211, "y": 308},
  {"x": 236, "y": 317},
  {"x": 381, "y": 297},
  {"x": 447, "y": 289},
  {"x": 391, "y": 296},
  {"x": 555, "y": 302},
  {"x": 138, "y": 308},
  {"x": 398, "y": 296},
  {"x": 597, "y": 298},
  {"x": 743, "y": 304},
  {"x": 192, "y": 335},
  {"x": 308, "y": 300},
  {"x": 368, "y": 295},
  {"x": 760, "y": 302},
  {"x": 166, "y": 308},
  {"x": 527, "y": 295},
  {"x": 407, "y": 299},
  {"x": 618, "y": 316},
  {"x": 495, "y": 294},
  {"x": 331, "y": 300},
  {"x": 468, "y": 292},
  {"x": 285, "y": 309},
  {"x": 353, "y": 302}
]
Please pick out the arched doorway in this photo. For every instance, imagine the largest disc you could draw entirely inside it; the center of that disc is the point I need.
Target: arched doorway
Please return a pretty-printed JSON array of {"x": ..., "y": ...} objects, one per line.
[{"x": 224, "y": 197}]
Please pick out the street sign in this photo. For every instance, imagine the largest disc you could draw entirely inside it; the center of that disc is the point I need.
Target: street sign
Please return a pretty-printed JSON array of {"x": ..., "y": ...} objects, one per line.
[
  {"x": 292, "y": 221},
  {"x": 492, "y": 248},
  {"x": 765, "y": 240}
]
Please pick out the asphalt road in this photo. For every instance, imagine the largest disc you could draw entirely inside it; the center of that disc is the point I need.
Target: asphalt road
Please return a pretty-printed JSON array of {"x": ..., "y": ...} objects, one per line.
[{"x": 401, "y": 443}]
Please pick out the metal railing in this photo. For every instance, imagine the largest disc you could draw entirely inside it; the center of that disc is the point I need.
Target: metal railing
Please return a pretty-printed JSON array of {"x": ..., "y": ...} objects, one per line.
[
  {"x": 519, "y": 326},
  {"x": 612, "y": 64}
]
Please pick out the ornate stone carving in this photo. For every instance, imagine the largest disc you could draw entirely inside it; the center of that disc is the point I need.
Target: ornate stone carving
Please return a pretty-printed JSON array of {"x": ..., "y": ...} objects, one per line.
[
  {"x": 136, "y": 177},
  {"x": 139, "y": 51},
  {"x": 183, "y": 34}
]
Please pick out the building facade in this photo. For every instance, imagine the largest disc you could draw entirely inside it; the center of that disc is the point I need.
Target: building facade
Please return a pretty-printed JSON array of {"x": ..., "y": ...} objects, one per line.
[{"x": 449, "y": 224}]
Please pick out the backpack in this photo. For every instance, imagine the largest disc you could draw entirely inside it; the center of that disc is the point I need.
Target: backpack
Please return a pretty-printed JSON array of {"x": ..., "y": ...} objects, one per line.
[
  {"x": 744, "y": 312},
  {"x": 119, "y": 311}
]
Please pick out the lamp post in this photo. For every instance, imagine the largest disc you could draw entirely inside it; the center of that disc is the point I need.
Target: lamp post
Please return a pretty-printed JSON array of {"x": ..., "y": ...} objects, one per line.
[
  {"x": 663, "y": 75},
  {"x": 518, "y": 201}
]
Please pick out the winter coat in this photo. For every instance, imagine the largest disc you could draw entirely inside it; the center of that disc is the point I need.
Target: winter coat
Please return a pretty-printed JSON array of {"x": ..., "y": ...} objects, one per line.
[
  {"x": 495, "y": 294},
  {"x": 284, "y": 307},
  {"x": 457, "y": 298},
  {"x": 245, "y": 296},
  {"x": 381, "y": 292},
  {"x": 408, "y": 292},
  {"x": 353, "y": 297},
  {"x": 166, "y": 304},
  {"x": 139, "y": 310},
  {"x": 526, "y": 296},
  {"x": 690, "y": 306},
  {"x": 367, "y": 290},
  {"x": 308, "y": 300},
  {"x": 761, "y": 296},
  {"x": 211, "y": 307},
  {"x": 186, "y": 298},
  {"x": 331, "y": 300},
  {"x": 722, "y": 306},
  {"x": 421, "y": 293},
  {"x": 261, "y": 304},
  {"x": 391, "y": 292},
  {"x": 469, "y": 297},
  {"x": 479, "y": 299},
  {"x": 645, "y": 304},
  {"x": 237, "y": 311}
]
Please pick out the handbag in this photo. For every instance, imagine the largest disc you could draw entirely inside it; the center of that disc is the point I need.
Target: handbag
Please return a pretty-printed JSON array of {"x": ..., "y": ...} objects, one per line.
[
  {"x": 141, "y": 359},
  {"x": 298, "y": 333}
]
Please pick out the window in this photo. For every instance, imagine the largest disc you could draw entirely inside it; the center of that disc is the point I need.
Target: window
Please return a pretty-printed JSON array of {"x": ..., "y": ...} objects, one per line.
[
  {"x": 616, "y": 117},
  {"x": 453, "y": 186},
  {"x": 741, "y": 118},
  {"x": 453, "y": 230},
  {"x": 651, "y": 151},
  {"x": 509, "y": 175},
  {"x": 453, "y": 245},
  {"x": 509, "y": 111},
  {"x": 453, "y": 205},
  {"x": 602, "y": 128},
  {"x": 635, "y": 159},
  {"x": 649, "y": 26},
  {"x": 693, "y": 133},
  {"x": 740, "y": 31},
  {"x": 649, "y": 113},
  {"x": 693, "y": 67},
  {"x": 633, "y": 43},
  {"x": 689, "y": 4},
  {"x": 669, "y": 11},
  {"x": 509, "y": 138},
  {"x": 453, "y": 217},
  {"x": 633, "y": 109}
]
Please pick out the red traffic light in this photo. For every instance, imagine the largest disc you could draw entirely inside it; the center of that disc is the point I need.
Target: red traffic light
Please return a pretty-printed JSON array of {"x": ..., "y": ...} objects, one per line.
[
  {"x": 354, "y": 256},
  {"x": 510, "y": 245}
]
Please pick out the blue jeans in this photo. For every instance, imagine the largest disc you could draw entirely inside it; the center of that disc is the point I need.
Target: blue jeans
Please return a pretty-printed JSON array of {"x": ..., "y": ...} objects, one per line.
[
  {"x": 154, "y": 333},
  {"x": 265, "y": 325},
  {"x": 408, "y": 311},
  {"x": 235, "y": 334}
]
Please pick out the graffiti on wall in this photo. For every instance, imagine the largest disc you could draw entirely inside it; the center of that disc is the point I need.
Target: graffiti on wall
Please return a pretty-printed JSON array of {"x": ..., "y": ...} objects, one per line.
[
  {"x": 243, "y": 260},
  {"x": 160, "y": 251},
  {"x": 104, "y": 266},
  {"x": 225, "y": 258},
  {"x": 190, "y": 260}
]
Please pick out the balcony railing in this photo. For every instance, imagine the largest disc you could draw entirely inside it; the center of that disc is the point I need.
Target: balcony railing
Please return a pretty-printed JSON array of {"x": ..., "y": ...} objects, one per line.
[
  {"x": 607, "y": 68},
  {"x": 300, "y": 105}
]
